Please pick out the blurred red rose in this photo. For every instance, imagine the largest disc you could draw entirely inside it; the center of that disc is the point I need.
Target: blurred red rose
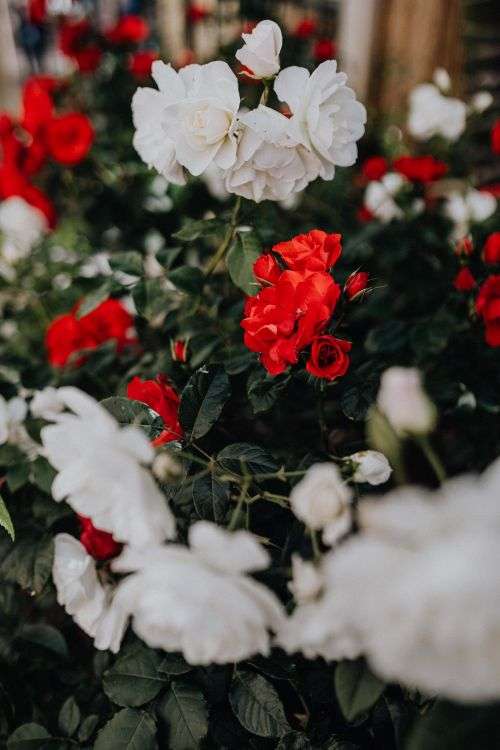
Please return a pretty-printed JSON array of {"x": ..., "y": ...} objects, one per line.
[
  {"x": 314, "y": 251},
  {"x": 163, "y": 399},
  {"x": 356, "y": 283},
  {"x": 37, "y": 11},
  {"x": 329, "y": 358},
  {"x": 464, "y": 281},
  {"x": 488, "y": 308},
  {"x": 130, "y": 29},
  {"x": 76, "y": 40},
  {"x": 491, "y": 250},
  {"x": 305, "y": 28},
  {"x": 420, "y": 168},
  {"x": 196, "y": 13},
  {"x": 324, "y": 49},
  {"x": 364, "y": 215},
  {"x": 140, "y": 63},
  {"x": 495, "y": 137},
  {"x": 374, "y": 168},
  {"x": 69, "y": 138},
  {"x": 99, "y": 544}
]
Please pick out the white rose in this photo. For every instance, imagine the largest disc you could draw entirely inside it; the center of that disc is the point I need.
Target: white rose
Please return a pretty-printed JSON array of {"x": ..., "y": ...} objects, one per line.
[
  {"x": 403, "y": 401},
  {"x": 261, "y": 51},
  {"x": 22, "y": 227},
  {"x": 431, "y": 114},
  {"x": 465, "y": 208},
  {"x": 322, "y": 500},
  {"x": 269, "y": 164},
  {"x": 326, "y": 118},
  {"x": 481, "y": 101},
  {"x": 379, "y": 197},
  {"x": 306, "y": 582},
  {"x": 442, "y": 79},
  {"x": 371, "y": 467}
]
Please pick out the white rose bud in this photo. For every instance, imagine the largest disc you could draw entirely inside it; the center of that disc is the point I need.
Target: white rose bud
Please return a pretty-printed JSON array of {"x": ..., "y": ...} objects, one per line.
[
  {"x": 261, "y": 51},
  {"x": 166, "y": 467},
  {"x": 442, "y": 79},
  {"x": 322, "y": 500},
  {"x": 307, "y": 580},
  {"x": 481, "y": 101},
  {"x": 371, "y": 467},
  {"x": 404, "y": 402}
]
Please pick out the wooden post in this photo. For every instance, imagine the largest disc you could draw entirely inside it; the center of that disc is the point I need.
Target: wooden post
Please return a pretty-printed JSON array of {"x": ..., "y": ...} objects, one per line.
[{"x": 9, "y": 67}]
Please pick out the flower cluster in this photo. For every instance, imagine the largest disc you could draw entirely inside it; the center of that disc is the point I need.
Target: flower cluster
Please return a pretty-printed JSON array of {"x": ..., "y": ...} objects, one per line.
[{"x": 194, "y": 121}]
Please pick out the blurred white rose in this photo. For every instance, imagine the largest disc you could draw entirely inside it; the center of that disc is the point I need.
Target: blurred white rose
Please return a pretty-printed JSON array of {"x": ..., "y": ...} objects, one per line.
[
  {"x": 22, "y": 226},
  {"x": 463, "y": 209},
  {"x": 322, "y": 500},
  {"x": 260, "y": 53},
  {"x": 12, "y": 415},
  {"x": 404, "y": 402},
  {"x": 306, "y": 581},
  {"x": 481, "y": 101},
  {"x": 379, "y": 197},
  {"x": 431, "y": 114},
  {"x": 442, "y": 79},
  {"x": 371, "y": 467},
  {"x": 326, "y": 118}
]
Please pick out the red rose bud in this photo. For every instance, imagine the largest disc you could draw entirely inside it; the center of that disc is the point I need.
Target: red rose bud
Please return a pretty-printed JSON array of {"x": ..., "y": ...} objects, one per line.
[
  {"x": 356, "y": 283},
  {"x": 178, "y": 350},
  {"x": 266, "y": 269},
  {"x": 314, "y": 251},
  {"x": 464, "y": 246},
  {"x": 140, "y": 63},
  {"x": 99, "y": 544},
  {"x": 491, "y": 251},
  {"x": 324, "y": 49},
  {"x": 495, "y": 137},
  {"x": 329, "y": 358},
  {"x": 305, "y": 28},
  {"x": 464, "y": 281},
  {"x": 69, "y": 138},
  {"x": 488, "y": 308},
  {"x": 374, "y": 168},
  {"x": 420, "y": 168},
  {"x": 160, "y": 396},
  {"x": 130, "y": 29}
]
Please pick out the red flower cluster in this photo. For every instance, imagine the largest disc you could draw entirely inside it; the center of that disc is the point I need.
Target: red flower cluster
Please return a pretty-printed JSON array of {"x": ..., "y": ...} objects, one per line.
[
  {"x": 130, "y": 29},
  {"x": 67, "y": 335},
  {"x": 99, "y": 544},
  {"x": 488, "y": 308},
  {"x": 160, "y": 396},
  {"x": 414, "y": 168},
  {"x": 140, "y": 63},
  {"x": 296, "y": 304},
  {"x": 39, "y": 134},
  {"x": 78, "y": 41}
]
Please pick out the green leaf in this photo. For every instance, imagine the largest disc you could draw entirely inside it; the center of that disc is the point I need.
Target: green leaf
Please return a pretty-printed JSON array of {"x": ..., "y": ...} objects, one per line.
[
  {"x": 448, "y": 726},
  {"x": 129, "y": 262},
  {"x": 128, "y": 730},
  {"x": 242, "y": 254},
  {"x": 174, "y": 664},
  {"x": 42, "y": 474},
  {"x": 203, "y": 399},
  {"x": 69, "y": 717},
  {"x": 29, "y": 563},
  {"x": 28, "y": 737},
  {"x": 87, "y": 727},
  {"x": 17, "y": 476},
  {"x": 241, "y": 458},
  {"x": 356, "y": 687},
  {"x": 193, "y": 229},
  {"x": 264, "y": 390},
  {"x": 294, "y": 741},
  {"x": 6, "y": 520},
  {"x": 187, "y": 279},
  {"x": 93, "y": 299},
  {"x": 128, "y": 411},
  {"x": 387, "y": 338},
  {"x": 46, "y": 636},
  {"x": 357, "y": 399},
  {"x": 133, "y": 679},
  {"x": 381, "y": 437},
  {"x": 150, "y": 298},
  {"x": 210, "y": 498},
  {"x": 257, "y": 706},
  {"x": 185, "y": 712}
]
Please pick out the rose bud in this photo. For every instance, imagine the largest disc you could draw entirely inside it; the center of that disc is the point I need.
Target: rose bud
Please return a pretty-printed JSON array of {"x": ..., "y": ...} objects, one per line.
[
  {"x": 99, "y": 544},
  {"x": 491, "y": 251},
  {"x": 464, "y": 281},
  {"x": 370, "y": 466},
  {"x": 464, "y": 246},
  {"x": 404, "y": 402},
  {"x": 261, "y": 50},
  {"x": 356, "y": 283},
  {"x": 266, "y": 269},
  {"x": 178, "y": 350}
]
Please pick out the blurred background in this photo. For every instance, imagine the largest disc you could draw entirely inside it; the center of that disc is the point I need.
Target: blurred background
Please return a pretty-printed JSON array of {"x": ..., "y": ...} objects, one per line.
[{"x": 385, "y": 46}]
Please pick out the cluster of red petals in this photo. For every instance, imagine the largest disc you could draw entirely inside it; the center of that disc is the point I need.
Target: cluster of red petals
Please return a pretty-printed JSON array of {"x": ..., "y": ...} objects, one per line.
[
  {"x": 374, "y": 168},
  {"x": 160, "y": 396},
  {"x": 296, "y": 302},
  {"x": 488, "y": 308},
  {"x": 324, "y": 49},
  {"x": 491, "y": 250},
  {"x": 78, "y": 41},
  {"x": 99, "y": 544},
  {"x": 464, "y": 280},
  {"x": 140, "y": 63},
  {"x": 420, "y": 168},
  {"x": 67, "y": 335},
  {"x": 495, "y": 138},
  {"x": 130, "y": 29},
  {"x": 329, "y": 357}
]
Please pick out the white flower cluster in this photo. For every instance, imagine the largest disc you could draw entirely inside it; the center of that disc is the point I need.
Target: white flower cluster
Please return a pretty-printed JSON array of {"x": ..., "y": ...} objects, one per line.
[
  {"x": 193, "y": 122},
  {"x": 416, "y": 591},
  {"x": 21, "y": 227}
]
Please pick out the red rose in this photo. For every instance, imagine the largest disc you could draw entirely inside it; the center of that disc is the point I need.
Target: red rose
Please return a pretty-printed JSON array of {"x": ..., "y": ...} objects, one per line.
[
  {"x": 324, "y": 49},
  {"x": 356, "y": 283},
  {"x": 196, "y": 13},
  {"x": 161, "y": 397},
  {"x": 374, "y": 168},
  {"x": 178, "y": 350},
  {"x": 76, "y": 41},
  {"x": 140, "y": 63},
  {"x": 305, "y": 28},
  {"x": 266, "y": 269},
  {"x": 491, "y": 251},
  {"x": 67, "y": 335},
  {"x": 314, "y": 251},
  {"x": 37, "y": 106},
  {"x": 282, "y": 319},
  {"x": 488, "y": 307},
  {"x": 37, "y": 11},
  {"x": 130, "y": 29},
  {"x": 69, "y": 138},
  {"x": 99, "y": 544},
  {"x": 329, "y": 357},
  {"x": 495, "y": 137},
  {"x": 420, "y": 168},
  {"x": 464, "y": 281}
]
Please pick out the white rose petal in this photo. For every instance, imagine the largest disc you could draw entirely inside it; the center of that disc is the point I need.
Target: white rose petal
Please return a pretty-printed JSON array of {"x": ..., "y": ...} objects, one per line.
[
  {"x": 46, "y": 404},
  {"x": 306, "y": 581}
]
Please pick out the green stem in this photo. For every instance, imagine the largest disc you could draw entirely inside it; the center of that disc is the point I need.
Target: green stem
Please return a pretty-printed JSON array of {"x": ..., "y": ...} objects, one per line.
[
  {"x": 227, "y": 241},
  {"x": 432, "y": 458},
  {"x": 320, "y": 403},
  {"x": 315, "y": 544},
  {"x": 239, "y": 506}
]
